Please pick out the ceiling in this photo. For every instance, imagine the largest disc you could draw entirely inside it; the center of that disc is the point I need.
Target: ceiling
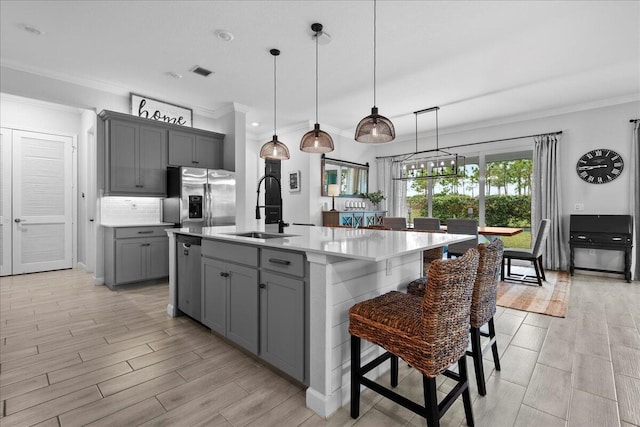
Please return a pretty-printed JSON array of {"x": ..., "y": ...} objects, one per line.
[{"x": 480, "y": 61}]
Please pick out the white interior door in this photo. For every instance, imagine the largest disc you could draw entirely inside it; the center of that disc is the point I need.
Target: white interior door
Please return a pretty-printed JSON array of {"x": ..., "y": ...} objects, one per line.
[
  {"x": 42, "y": 202},
  {"x": 6, "y": 220}
]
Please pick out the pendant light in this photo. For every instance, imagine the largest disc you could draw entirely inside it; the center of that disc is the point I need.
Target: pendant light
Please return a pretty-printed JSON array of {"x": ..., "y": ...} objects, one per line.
[
  {"x": 375, "y": 128},
  {"x": 274, "y": 149},
  {"x": 316, "y": 140}
]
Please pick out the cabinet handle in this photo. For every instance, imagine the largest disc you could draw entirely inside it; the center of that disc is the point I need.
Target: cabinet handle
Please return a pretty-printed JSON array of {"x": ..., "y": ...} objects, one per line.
[
  {"x": 223, "y": 274},
  {"x": 145, "y": 232},
  {"x": 195, "y": 162},
  {"x": 279, "y": 261},
  {"x": 139, "y": 186},
  {"x": 262, "y": 286}
]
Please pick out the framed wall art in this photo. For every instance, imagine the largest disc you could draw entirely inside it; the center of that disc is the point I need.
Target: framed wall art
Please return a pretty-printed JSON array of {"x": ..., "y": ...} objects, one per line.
[{"x": 294, "y": 181}]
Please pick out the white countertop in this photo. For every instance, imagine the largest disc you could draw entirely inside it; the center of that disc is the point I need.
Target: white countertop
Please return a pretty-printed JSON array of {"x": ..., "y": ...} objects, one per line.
[
  {"x": 123, "y": 225},
  {"x": 365, "y": 244}
]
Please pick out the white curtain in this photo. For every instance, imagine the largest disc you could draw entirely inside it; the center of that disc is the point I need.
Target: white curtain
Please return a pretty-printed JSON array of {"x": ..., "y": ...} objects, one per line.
[
  {"x": 394, "y": 191},
  {"x": 546, "y": 200},
  {"x": 635, "y": 199}
]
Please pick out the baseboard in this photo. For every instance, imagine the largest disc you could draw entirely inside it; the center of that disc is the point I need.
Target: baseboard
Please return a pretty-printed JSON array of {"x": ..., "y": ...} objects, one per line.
[
  {"x": 323, "y": 405},
  {"x": 98, "y": 280}
]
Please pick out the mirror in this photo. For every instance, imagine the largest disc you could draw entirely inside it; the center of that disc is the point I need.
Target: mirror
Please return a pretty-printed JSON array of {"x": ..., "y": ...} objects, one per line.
[{"x": 353, "y": 178}]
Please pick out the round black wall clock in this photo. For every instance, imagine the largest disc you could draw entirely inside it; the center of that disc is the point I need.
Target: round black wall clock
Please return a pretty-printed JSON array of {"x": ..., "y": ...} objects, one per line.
[{"x": 599, "y": 166}]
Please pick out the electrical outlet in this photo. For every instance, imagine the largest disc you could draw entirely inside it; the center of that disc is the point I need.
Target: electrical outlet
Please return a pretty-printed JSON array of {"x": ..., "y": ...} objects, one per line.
[
  {"x": 579, "y": 206},
  {"x": 592, "y": 252},
  {"x": 389, "y": 267}
]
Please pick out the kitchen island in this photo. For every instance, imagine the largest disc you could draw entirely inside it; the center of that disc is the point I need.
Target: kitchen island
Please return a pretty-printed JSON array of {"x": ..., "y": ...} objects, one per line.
[{"x": 342, "y": 267}]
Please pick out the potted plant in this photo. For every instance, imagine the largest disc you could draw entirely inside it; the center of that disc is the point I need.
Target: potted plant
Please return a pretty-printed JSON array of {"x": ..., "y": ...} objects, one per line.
[{"x": 375, "y": 198}]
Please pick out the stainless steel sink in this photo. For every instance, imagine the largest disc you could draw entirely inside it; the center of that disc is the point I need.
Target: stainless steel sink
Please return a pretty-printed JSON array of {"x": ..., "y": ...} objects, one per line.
[{"x": 260, "y": 235}]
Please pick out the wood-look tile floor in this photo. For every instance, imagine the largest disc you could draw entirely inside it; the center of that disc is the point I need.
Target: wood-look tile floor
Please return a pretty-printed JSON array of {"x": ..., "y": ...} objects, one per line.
[{"x": 76, "y": 354}]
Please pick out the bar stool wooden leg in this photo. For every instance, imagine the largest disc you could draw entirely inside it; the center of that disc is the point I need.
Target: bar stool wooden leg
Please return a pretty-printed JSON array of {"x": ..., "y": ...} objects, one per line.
[
  {"x": 355, "y": 376},
  {"x": 394, "y": 370},
  {"x": 494, "y": 345},
  {"x": 430, "y": 401},
  {"x": 476, "y": 354},
  {"x": 466, "y": 395}
]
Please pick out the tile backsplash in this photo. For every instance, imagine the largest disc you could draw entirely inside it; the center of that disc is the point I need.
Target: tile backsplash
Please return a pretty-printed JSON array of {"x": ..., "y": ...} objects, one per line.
[{"x": 130, "y": 210}]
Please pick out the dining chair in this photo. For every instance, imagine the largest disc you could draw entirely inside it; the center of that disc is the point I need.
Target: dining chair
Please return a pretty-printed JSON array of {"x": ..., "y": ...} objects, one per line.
[
  {"x": 534, "y": 255},
  {"x": 429, "y": 333},
  {"x": 426, "y": 223},
  {"x": 462, "y": 226},
  {"x": 395, "y": 222}
]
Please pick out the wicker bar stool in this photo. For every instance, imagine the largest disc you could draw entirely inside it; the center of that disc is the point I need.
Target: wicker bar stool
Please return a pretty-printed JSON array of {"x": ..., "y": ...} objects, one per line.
[
  {"x": 483, "y": 307},
  {"x": 429, "y": 333}
]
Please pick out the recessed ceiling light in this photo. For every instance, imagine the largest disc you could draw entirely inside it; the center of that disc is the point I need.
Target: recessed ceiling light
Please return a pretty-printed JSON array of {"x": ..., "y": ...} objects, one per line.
[
  {"x": 255, "y": 124},
  {"x": 224, "y": 35},
  {"x": 174, "y": 75},
  {"x": 33, "y": 30}
]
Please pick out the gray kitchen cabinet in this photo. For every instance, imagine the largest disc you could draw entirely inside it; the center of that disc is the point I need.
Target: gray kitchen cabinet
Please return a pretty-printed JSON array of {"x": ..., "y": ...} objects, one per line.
[
  {"x": 195, "y": 150},
  {"x": 282, "y": 322},
  {"x": 214, "y": 295},
  {"x": 135, "y": 254},
  {"x": 130, "y": 260},
  {"x": 230, "y": 292},
  {"x": 283, "y": 310},
  {"x": 136, "y": 157}
]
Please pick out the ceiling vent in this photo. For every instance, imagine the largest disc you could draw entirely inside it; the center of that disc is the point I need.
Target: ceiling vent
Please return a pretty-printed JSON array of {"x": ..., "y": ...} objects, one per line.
[{"x": 201, "y": 71}]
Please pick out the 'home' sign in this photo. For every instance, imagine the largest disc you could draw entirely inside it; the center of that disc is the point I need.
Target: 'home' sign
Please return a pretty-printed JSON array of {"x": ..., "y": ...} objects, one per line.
[{"x": 149, "y": 108}]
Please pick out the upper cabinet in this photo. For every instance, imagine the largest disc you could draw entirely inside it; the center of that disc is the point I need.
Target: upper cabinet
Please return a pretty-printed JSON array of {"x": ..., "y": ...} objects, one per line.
[
  {"x": 135, "y": 152},
  {"x": 136, "y": 157},
  {"x": 195, "y": 150}
]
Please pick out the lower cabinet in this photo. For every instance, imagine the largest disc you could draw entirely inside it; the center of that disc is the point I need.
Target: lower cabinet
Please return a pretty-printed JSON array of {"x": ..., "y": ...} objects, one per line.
[
  {"x": 130, "y": 258},
  {"x": 257, "y": 298},
  {"x": 230, "y": 301},
  {"x": 282, "y": 322}
]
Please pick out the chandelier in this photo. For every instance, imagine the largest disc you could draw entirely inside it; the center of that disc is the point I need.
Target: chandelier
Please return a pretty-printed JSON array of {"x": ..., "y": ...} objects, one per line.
[{"x": 434, "y": 163}]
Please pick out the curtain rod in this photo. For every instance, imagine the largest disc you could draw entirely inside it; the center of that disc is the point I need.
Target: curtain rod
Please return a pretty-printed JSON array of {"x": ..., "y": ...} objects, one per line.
[
  {"x": 345, "y": 161},
  {"x": 475, "y": 143}
]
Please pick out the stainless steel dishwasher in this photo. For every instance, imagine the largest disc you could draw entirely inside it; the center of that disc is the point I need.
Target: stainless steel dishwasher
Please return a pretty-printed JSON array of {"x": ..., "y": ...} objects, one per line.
[{"x": 188, "y": 249}]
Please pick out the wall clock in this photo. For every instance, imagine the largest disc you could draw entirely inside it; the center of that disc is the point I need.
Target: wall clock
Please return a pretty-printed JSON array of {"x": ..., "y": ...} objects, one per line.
[{"x": 599, "y": 166}]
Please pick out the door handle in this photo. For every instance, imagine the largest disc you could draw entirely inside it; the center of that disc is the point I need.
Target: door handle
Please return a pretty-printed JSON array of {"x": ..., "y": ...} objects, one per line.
[
  {"x": 262, "y": 286},
  {"x": 18, "y": 220},
  {"x": 223, "y": 274}
]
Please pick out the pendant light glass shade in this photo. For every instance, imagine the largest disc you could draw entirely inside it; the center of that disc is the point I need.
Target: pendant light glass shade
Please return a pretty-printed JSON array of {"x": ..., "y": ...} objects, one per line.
[
  {"x": 375, "y": 128},
  {"x": 316, "y": 140},
  {"x": 274, "y": 149}
]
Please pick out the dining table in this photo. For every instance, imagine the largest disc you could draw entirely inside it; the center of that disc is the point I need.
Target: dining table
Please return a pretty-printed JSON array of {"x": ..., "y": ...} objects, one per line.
[{"x": 493, "y": 233}]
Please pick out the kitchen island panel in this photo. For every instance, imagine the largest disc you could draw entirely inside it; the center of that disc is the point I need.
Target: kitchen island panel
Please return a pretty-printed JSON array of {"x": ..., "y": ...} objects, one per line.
[{"x": 336, "y": 285}]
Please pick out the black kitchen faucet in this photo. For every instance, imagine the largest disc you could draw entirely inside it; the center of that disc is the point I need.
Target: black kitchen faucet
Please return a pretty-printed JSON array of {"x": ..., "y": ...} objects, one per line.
[{"x": 281, "y": 223}]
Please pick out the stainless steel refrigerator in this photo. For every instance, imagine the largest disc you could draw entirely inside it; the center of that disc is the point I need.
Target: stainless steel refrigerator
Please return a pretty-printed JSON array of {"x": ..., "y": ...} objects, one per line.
[{"x": 198, "y": 197}]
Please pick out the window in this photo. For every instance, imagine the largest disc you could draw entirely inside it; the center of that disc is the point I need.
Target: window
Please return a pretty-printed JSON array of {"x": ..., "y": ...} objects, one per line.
[{"x": 504, "y": 199}]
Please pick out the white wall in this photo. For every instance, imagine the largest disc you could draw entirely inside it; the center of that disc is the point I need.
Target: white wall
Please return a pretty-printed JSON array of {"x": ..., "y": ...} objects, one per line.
[{"x": 605, "y": 127}]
